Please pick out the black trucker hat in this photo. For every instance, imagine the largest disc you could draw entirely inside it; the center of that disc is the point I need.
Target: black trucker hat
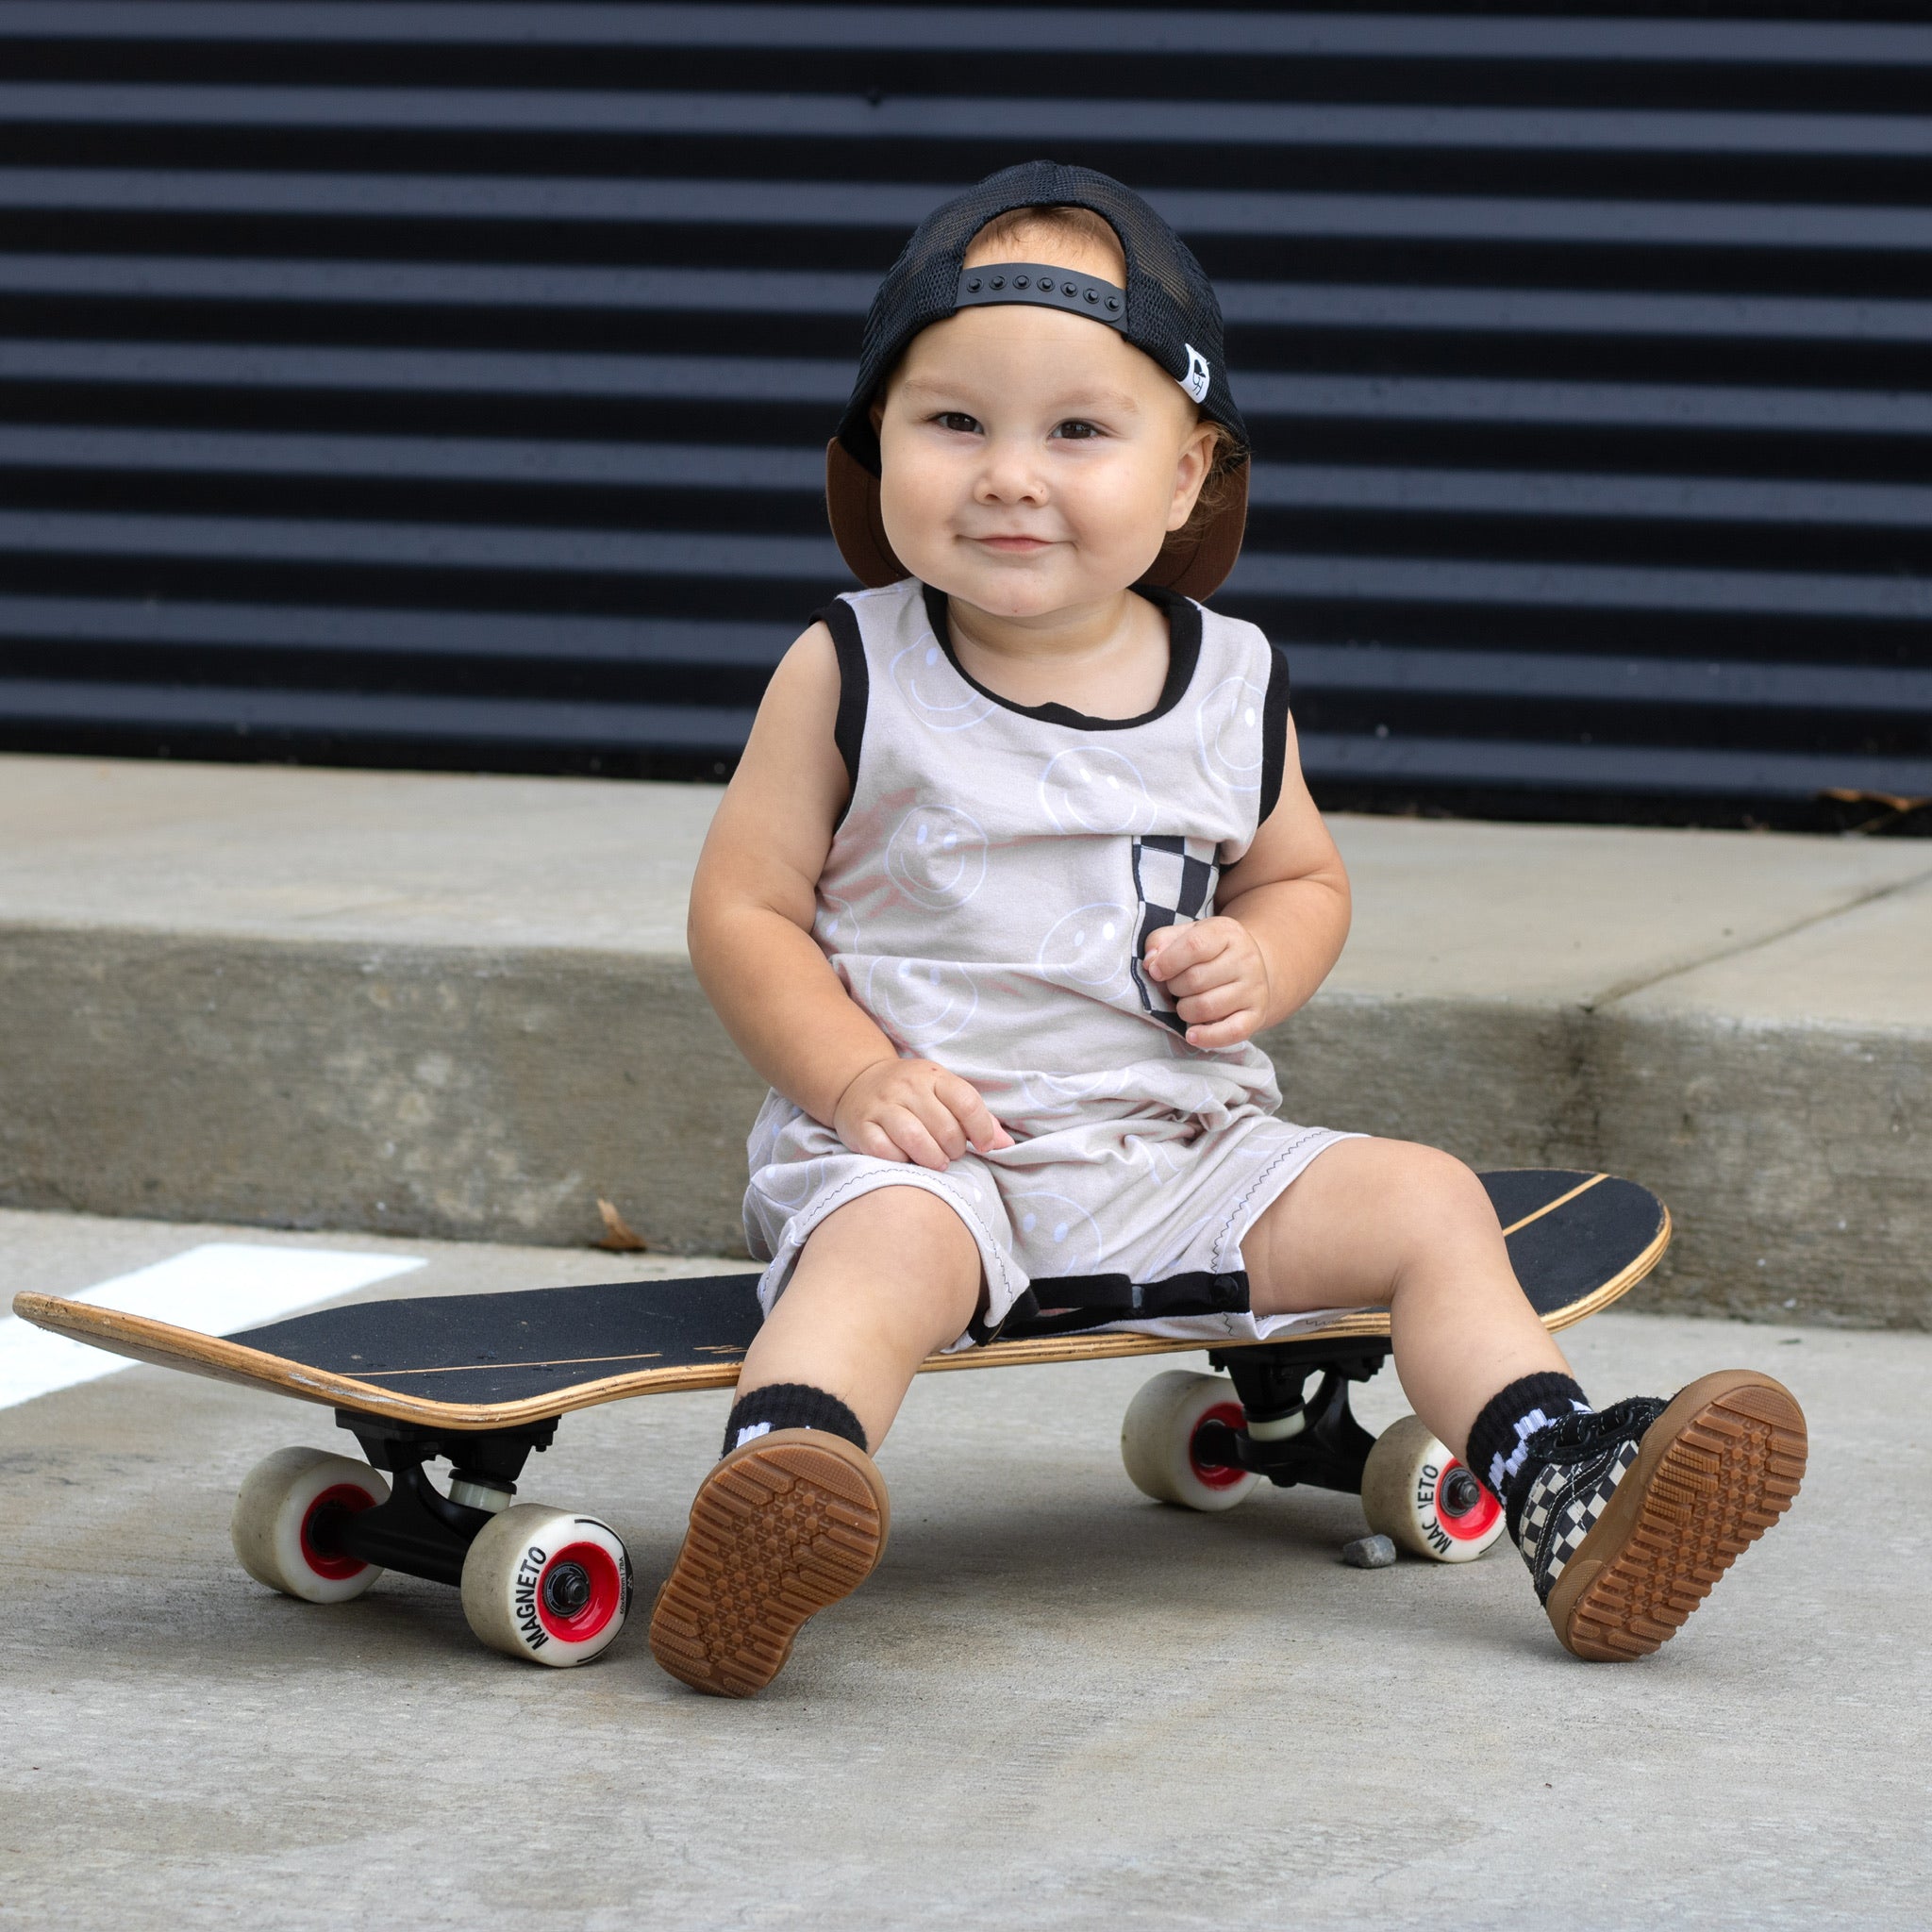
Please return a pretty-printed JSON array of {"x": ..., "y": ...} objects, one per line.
[{"x": 1167, "y": 308}]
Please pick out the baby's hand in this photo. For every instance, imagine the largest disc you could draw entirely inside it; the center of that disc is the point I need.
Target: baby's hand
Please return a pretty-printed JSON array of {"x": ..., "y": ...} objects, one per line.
[
  {"x": 1216, "y": 976},
  {"x": 915, "y": 1110}
]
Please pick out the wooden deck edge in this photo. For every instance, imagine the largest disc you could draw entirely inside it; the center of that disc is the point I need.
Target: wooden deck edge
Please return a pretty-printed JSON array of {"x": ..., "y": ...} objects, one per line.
[
  {"x": 1619, "y": 1285},
  {"x": 163, "y": 1346}
]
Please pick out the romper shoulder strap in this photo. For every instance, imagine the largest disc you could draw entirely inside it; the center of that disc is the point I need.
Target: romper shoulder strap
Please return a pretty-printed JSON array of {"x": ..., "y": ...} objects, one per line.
[
  {"x": 1273, "y": 731},
  {"x": 1246, "y": 650},
  {"x": 848, "y": 729}
]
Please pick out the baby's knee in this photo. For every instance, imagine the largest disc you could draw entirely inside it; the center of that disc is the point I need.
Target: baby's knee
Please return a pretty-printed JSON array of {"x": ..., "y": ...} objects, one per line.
[
  {"x": 907, "y": 1239},
  {"x": 1441, "y": 1197},
  {"x": 895, "y": 1214}
]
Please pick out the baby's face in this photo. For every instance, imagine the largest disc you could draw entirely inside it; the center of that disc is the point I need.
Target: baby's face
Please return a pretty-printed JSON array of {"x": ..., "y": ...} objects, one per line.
[{"x": 1033, "y": 462}]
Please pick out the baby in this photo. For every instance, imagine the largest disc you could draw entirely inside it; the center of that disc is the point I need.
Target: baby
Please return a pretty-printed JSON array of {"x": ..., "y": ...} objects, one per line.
[{"x": 1018, "y": 860}]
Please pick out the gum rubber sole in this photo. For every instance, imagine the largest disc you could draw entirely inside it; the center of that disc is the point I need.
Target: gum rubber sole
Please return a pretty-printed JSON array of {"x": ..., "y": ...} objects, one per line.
[
  {"x": 781, "y": 1528},
  {"x": 1715, "y": 1471}
]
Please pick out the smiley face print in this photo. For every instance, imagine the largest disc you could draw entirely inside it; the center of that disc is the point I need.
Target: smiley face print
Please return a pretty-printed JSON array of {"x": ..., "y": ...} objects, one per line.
[
  {"x": 1228, "y": 732},
  {"x": 937, "y": 856},
  {"x": 1094, "y": 789},
  {"x": 921, "y": 1003}
]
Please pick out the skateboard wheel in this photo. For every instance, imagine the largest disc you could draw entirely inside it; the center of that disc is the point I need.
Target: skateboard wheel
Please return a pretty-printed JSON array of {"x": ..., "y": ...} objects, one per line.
[
  {"x": 546, "y": 1586},
  {"x": 285, "y": 1518},
  {"x": 1157, "y": 1441},
  {"x": 1415, "y": 1492}
]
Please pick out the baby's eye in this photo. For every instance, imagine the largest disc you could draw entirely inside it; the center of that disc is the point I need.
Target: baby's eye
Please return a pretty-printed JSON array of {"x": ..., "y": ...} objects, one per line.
[
  {"x": 1075, "y": 430},
  {"x": 958, "y": 421}
]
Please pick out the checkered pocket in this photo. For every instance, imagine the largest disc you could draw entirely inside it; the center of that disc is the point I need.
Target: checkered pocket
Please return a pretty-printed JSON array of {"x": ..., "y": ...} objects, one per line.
[{"x": 1174, "y": 885}]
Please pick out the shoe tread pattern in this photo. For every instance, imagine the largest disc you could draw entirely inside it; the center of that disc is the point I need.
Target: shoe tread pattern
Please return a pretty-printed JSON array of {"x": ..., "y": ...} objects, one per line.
[
  {"x": 1730, "y": 1472},
  {"x": 777, "y": 1534}
]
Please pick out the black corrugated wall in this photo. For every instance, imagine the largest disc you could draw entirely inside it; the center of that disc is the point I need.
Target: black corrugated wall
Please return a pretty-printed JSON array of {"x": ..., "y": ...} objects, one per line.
[{"x": 445, "y": 383}]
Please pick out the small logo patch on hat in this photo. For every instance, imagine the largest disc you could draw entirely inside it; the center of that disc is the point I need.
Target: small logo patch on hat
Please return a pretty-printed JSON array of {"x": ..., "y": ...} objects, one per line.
[{"x": 1197, "y": 378}]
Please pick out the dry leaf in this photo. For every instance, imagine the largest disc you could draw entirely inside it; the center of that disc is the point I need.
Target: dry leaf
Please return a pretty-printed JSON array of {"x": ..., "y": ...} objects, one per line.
[
  {"x": 620, "y": 1237},
  {"x": 1899, "y": 803},
  {"x": 1896, "y": 806}
]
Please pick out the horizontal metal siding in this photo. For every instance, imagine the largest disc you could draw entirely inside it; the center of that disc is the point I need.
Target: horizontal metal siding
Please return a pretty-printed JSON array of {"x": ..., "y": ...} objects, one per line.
[{"x": 446, "y": 383}]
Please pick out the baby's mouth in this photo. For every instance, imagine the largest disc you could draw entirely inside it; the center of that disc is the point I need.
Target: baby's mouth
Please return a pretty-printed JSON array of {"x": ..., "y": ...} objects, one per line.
[{"x": 1014, "y": 546}]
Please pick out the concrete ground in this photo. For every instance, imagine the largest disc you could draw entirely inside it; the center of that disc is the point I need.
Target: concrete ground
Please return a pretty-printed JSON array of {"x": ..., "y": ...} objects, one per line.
[{"x": 1056, "y": 1706}]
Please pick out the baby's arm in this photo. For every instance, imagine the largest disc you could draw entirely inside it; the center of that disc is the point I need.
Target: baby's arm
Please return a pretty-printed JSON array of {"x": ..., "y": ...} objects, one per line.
[
  {"x": 752, "y": 905},
  {"x": 1280, "y": 920}
]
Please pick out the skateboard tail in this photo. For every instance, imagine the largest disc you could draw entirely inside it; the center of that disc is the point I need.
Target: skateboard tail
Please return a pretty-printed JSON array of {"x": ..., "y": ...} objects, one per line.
[{"x": 142, "y": 1339}]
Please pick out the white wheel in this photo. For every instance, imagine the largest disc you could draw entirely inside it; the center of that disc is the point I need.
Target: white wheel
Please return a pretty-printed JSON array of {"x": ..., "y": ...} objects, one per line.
[
  {"x": 1157, "y": 1441},
  {"x": 285, "y": 1520},
  {"x": 1416, "y": 1492},
  {"x": 546, "y": 1586}
]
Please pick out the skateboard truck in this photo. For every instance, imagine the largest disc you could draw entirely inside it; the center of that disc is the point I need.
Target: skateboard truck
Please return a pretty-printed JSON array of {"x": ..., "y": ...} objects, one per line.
[
  {"x": 1288, "y": 1436},
  {"x": 420, "y": 1530},
  {"x": 1205, "y": 1441}
]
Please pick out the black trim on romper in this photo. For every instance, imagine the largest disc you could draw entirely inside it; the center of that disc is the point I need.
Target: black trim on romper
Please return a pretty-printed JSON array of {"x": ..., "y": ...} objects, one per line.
[
  {"x": 1273, "y": 732},
  {"x": 1183, "y": 654},
  {"x": 1068, "y": 1304},
  {"x": 848, "y": 728}
]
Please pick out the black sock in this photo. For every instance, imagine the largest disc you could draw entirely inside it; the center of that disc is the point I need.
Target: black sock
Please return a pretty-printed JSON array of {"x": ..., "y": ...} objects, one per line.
[
  {"x": 789, "y": 1406},
  {"x": 1509, "y": 1419}
]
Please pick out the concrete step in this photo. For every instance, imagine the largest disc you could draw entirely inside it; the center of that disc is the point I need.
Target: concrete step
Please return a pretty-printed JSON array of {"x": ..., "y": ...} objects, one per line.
[{"x": 461, "y": 1007}]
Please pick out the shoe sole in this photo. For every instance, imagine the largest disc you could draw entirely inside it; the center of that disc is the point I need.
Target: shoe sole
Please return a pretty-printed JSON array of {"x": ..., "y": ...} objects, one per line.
[
  {"x": 1714, "y": 1471},
  {"x": 782, "y": 1528}
]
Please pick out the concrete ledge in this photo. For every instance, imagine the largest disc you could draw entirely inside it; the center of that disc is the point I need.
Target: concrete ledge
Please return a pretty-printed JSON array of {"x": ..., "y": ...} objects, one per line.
[
  {"x": 461, "y": 1007},
  {"x": 472, "y": 1094}
]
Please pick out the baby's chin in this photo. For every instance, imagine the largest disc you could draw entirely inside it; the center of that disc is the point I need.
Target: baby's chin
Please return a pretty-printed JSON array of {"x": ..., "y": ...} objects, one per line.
[{"x": 1022, "y": 586}]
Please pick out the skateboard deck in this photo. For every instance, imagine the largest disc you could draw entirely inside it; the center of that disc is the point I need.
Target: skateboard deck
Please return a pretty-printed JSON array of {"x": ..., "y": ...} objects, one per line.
[{"x": 1578, "y": 1241}]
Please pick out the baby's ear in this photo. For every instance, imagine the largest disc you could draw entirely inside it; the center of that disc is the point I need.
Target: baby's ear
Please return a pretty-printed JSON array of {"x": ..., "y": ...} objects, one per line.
[{"x": 1193, "y": 469}]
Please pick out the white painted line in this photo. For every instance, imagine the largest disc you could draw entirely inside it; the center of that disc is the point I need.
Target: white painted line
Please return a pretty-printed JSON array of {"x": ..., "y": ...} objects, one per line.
[{"x": 215, "y": 1288}]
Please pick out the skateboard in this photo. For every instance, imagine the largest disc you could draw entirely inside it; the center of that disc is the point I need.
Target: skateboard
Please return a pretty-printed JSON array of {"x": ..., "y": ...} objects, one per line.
[{"x": 481, "y": 1381}]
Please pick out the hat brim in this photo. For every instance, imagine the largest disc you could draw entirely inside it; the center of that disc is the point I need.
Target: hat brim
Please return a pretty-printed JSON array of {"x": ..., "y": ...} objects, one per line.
[{"x": 1193, "y": 566}]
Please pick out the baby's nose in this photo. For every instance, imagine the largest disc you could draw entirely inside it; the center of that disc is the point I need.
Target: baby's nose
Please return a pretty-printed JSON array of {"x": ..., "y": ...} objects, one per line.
[{"x": 1013, "y": 472}]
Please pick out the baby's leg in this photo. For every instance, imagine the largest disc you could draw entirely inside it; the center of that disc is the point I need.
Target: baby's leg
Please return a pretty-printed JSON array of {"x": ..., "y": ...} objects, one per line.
[
  {"x": 794, "y": 1517},
  {"x": 882, "y": 1283},
  {"x": 1625, "y": 1517},
  {"x": 1388, "y": 1222}
]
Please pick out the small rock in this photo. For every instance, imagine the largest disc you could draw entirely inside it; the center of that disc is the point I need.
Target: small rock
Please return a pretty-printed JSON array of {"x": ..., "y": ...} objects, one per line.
[{"x": 1369, "y": 1553}]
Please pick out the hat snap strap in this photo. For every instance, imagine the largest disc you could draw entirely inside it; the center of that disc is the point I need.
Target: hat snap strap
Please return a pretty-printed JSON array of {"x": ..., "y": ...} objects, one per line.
[{"x": 1041, "y": 283}]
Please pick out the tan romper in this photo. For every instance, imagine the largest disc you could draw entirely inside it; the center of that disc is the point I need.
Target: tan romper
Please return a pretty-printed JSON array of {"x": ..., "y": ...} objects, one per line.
[{"x": 987, "y": 900}]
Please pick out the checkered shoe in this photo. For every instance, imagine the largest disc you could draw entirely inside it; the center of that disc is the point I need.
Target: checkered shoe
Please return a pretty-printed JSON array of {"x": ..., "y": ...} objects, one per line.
[
  {"x": 1632, "y": 1514},
  {"x": 1583, "y": 1458}
]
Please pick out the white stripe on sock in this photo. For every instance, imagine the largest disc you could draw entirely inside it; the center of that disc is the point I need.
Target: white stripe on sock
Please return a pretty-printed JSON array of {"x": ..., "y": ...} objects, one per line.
[{"x": 1500, "y": 1470}]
